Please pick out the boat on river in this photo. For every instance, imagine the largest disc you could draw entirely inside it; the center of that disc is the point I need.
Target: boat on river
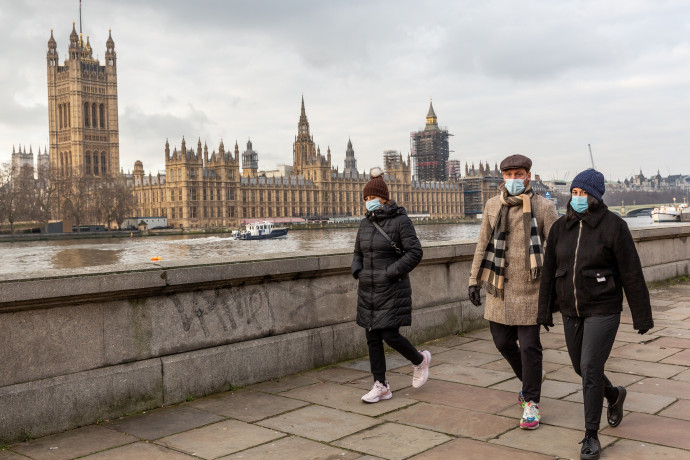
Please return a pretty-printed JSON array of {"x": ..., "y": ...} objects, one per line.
[
  {"x": 261, "y": 231},
  {"x": 668, "y": 213}
]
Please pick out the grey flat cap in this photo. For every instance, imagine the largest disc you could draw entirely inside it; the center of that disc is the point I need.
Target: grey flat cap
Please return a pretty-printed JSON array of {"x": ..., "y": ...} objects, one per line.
[{"x": 515, "y": 162}]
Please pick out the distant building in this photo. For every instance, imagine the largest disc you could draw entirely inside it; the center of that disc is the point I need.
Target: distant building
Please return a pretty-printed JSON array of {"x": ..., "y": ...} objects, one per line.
[
  {"x": 21, "y": 160},
  {"x": 430, "y": 150},
  {"x": 453, "y": 171},
  {"x": 82, "y": 109},
  {"x": 151, "y": 222},
  {"x": 201, "y": 189},
  {"x": 280, "y": 171}
]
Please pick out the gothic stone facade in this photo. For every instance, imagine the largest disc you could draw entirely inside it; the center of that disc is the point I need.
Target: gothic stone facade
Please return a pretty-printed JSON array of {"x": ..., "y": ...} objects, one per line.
[
  {"x": 208, "y": 190},
  {"x": 82, "y": 110}
]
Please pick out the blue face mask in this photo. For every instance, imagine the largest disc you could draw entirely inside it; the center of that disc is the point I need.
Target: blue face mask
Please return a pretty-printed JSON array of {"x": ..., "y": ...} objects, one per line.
[
  {"x": 373, "y": 205},
  {"x": 579, "y": 204},
  {"x": 515, "y": 186}
]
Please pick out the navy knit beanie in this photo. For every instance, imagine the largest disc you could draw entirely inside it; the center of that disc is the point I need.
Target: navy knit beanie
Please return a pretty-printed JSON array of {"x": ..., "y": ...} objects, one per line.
[{"x": 591, "y": 181}]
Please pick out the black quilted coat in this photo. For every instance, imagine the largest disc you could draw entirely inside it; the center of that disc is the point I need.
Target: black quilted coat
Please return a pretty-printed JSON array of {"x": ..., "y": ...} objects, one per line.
[{"x": 385, "y": 295}]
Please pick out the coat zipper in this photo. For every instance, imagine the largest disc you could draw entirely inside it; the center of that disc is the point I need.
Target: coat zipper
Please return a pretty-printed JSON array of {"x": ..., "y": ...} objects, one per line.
[
  {"x": 577, "y": 246},
  {"x": 371, "y": 260}
]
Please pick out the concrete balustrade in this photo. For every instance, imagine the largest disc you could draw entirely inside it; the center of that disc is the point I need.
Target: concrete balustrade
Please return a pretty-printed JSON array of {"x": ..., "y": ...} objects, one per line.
[{"x": 97, "y": 344}]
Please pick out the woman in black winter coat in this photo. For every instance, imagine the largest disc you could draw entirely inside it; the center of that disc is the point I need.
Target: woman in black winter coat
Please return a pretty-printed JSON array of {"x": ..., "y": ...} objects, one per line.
[
  {"x": 590, "y": 259},
  {"x": 383, "y": 258}
]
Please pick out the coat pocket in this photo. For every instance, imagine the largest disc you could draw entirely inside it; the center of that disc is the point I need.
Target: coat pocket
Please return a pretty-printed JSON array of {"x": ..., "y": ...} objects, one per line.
[
  {"x": 561, "y": 283},
  {"x": 599, "y": 283}
]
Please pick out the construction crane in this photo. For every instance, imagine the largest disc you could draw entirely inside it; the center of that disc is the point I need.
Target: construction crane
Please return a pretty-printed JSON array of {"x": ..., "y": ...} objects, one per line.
[{"x": 591, "y": 158}]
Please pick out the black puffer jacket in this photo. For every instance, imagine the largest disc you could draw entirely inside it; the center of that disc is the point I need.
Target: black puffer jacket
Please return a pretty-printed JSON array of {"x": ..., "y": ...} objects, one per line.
[
  {"x": 384, "y": 297},
  {"x": 587, "y": 265}
]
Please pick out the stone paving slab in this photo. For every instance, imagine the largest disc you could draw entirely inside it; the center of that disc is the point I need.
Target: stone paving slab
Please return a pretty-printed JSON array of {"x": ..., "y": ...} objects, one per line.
[
  {"x": 286, "y": 383},
  {"x": 483, "y": 346},
  {"x": 635, "y": 450},
  {"x": 671, "y": 342},
  {"x": 393, "y": 360},
  {"x": 643, "y": 367},
  {"x": 453, "y": 341},
  {"x": 549, "y": 389},
  {"x": 556, "y": 412},
  {"x": 679, "y": 409},
  {"x": 464, "y": 396},
  {"x": 562, "y": 442},
  {"x": 470, "y": 375},
  {"x": 644, "y": 352},
  {"x": 320, "y": 423},
  {"x": 247, "y": 405},
  {"x": 393, "y": 441},
  {"x": 451, "y": 420},
  {"x": 348, "y": 399},
  {"x": 74, "y": 443},
  {"x": 663, "y": 387},
  {"x": 337, "y": 374},
  {"x": 685, "y": 376},
  {"x": 682, "y": 358},
  {"x": 654, "y": 429},
  {"x": 163, "y": 422},
  {"x": 293, "y": 448},
  {"x": 470, "y": 449},
  {"x": 7, "y": 455},
  {"x": 458, "y": 356},
  {"x": 220, "y": 439},
  {"x": 635, "y": 402},
  {"x": 396, "y": 380},
  {"x": 140, "y": 451}
]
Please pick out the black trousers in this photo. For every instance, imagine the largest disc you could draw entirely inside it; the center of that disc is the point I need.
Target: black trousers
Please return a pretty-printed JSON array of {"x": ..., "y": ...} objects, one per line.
[
  {"x": 377, "y": 356},
  {"x": 589, "y": 342},
  {"x": 525, "y": 359}
]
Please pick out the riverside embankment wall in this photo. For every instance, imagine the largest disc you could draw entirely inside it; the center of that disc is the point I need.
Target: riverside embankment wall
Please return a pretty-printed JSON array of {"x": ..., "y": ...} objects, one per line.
[{"x": 97, "y": 344}]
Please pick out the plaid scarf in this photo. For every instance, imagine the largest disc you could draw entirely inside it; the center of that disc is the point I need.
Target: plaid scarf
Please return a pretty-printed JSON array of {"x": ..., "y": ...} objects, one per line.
[{"x": 493, "y": 266}]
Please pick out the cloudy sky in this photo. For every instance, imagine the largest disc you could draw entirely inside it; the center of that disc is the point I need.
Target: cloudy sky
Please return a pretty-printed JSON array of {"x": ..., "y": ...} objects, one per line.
[{"x": 538, "y": 77}]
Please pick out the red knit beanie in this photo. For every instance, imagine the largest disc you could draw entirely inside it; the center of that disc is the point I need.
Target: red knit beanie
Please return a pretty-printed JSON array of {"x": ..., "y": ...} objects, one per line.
[{"x": 376, "y": 185}]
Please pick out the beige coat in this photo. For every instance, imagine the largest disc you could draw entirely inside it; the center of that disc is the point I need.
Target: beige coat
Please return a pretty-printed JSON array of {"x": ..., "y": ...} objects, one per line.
[{"x": 520, "y": 296}]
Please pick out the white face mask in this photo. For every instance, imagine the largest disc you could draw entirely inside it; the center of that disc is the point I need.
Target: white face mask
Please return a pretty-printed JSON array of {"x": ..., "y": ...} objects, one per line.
[
  {"x": 373, "y": 205},
  {"x": 515, "y": 186}
]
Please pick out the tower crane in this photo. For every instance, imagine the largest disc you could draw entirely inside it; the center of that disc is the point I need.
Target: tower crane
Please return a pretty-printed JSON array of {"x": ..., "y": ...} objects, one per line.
[{"x": 591, "y": 158}]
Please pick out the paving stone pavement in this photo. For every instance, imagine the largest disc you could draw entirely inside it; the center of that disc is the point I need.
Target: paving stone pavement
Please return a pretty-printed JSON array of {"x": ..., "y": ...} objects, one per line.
[{"x": 468, "y": 409}]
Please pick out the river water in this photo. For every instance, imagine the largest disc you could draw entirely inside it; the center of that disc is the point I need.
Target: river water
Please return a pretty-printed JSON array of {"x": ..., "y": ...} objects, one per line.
[{"x": 40, "y": 256}]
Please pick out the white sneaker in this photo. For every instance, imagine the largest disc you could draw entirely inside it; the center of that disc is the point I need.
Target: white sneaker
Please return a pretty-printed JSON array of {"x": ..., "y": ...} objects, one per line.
[
  {"x": 421, "y": 372},
  {"x": 378, "y": 392}
]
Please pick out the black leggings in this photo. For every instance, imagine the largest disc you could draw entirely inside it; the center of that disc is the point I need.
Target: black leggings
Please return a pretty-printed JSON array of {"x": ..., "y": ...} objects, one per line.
[
  {"x": 377, "y": 357},
  {"x": 589, "y": 342}
]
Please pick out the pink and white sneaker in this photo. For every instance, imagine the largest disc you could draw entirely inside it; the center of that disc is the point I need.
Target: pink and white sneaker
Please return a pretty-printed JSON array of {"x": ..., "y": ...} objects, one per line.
[
  {"x": 421, "y": 372},
  {"x": 378, "y": 392}
]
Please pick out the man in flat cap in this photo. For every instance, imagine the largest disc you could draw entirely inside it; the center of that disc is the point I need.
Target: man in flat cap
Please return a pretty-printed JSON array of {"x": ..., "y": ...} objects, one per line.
[{"x": 508, "y": 263}]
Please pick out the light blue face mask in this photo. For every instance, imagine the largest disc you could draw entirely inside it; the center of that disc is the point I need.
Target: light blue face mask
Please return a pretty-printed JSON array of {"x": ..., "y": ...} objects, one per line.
[
  {"x": 373, "y": 205},
  {"x": 579, "y": 204},
  {"x": 515, "y": 186}
]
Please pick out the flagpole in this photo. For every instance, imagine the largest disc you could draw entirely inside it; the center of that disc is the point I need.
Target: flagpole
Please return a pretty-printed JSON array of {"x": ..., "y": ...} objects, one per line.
[{"x": 79, "y": 17}]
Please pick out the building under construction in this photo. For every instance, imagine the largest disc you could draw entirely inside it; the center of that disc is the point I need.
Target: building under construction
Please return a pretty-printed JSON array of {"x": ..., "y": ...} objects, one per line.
[{"x": 430, "y": 151}]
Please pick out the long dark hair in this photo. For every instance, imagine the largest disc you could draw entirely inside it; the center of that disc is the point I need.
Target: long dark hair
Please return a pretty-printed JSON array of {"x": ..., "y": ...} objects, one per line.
[{"x": 592, "y": 205}]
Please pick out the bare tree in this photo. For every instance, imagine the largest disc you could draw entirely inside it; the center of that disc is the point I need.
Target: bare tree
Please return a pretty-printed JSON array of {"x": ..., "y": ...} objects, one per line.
[
  {"x": 124, "y": 200},
  {"x": 76, "y": 197},
  {"x": 45, "y": 197},
  {"x": 9, "y": 194}
]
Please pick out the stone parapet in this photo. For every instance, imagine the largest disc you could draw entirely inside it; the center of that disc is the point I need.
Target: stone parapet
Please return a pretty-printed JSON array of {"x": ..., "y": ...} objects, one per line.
[{"x": 98, "y": 344}]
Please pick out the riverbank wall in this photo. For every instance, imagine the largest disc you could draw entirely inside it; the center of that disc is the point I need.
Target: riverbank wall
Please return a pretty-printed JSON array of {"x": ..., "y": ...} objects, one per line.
[{"x": 92, "y": 345}]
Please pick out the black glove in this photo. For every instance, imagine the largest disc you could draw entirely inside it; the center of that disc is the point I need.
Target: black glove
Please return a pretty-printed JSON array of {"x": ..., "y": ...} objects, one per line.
[
  {"x": 546, "y": 327},
  {"x": 643, "y": 331},
  {"x": 475, "y": 297}
]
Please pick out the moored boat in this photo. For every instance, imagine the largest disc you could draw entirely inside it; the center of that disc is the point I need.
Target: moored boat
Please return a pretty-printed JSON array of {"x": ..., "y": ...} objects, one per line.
[
  {"x": 668, "y": 213},
  {"x": 261, "y": 231}
]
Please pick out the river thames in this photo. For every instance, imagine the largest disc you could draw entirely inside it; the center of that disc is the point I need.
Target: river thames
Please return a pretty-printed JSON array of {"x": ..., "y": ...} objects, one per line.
[{"x": 50, "y": 256}]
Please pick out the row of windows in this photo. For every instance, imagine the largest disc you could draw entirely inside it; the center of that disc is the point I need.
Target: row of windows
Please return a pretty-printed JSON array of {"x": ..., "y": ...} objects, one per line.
[
  {"x": 92, "y": 165},
  {"x": 94, "y": 115}
]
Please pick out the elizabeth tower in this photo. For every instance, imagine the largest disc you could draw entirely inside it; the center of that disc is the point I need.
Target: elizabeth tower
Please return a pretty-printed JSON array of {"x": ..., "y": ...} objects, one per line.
[{"x": 82, "y": 110}]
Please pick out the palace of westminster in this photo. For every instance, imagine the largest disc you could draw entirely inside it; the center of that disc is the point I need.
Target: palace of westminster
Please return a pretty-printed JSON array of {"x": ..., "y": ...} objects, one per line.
[{"x": 223, "y": 187}]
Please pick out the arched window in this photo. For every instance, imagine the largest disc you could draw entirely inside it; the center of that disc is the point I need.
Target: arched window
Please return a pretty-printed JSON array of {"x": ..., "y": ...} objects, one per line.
[
  {"x": 87, "y": 109},
  {"x": 102, "y": 115},
  {"x": 87, "y": 163},
  {"x": 60, "y": 116},
  {"x": 103, "y": 164},
  {"x": 94, "y": 121},
  {"x": 95, "y": 164},
  {"x": 69, "y": 122}
]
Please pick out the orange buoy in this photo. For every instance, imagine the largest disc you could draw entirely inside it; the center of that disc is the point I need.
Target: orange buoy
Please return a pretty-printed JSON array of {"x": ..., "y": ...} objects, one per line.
[{"x": 155, "y": 258}]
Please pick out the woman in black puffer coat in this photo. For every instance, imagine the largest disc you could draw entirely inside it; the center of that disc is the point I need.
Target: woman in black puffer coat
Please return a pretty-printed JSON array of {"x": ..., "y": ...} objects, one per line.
[{"x": 384, "y": 300}]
